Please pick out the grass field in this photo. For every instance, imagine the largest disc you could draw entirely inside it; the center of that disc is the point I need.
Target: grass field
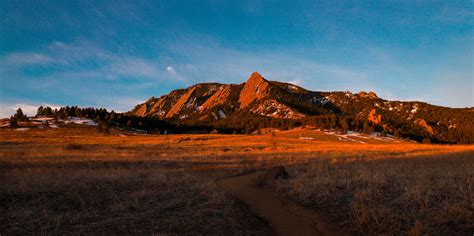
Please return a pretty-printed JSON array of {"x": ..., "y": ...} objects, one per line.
[{"x": 78, "y": 181}]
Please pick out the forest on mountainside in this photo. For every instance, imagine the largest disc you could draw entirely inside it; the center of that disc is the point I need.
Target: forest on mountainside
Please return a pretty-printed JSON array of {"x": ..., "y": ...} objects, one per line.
[{"x": 248, "y": 123}]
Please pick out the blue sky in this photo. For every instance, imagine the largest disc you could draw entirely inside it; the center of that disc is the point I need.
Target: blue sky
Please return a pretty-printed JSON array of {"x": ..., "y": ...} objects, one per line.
[{"x": 115, "y": 54}]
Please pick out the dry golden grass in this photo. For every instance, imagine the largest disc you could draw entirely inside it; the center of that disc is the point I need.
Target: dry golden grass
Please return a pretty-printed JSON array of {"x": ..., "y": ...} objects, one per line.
[
  {"x": 417, "y": 196},
  {"x": 51, "y": 185},
  {"x": 78, "y": 181}
]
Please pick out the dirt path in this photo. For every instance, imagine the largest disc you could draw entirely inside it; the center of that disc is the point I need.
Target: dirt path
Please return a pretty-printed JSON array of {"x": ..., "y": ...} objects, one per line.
[{"x": 285, "y": 217}]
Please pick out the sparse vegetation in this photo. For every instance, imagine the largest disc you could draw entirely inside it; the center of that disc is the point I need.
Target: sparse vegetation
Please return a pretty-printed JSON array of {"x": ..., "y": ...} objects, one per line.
[
  {"x": 80, "y": 181},
  {"x": 431, "y": 195},
  {"x": 56, "y": 185}
]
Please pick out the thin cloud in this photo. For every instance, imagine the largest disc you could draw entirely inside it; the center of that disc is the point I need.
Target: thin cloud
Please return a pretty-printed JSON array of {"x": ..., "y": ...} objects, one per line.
[
  {"x": 134, "y": 67},
  {"x": 454, "y": 15},
  {"x": 69, "y": 58},
  {"x": 26, "y": 58},
  {"x": 30, "y": 109},
  {"x": 216, "y": 63}
]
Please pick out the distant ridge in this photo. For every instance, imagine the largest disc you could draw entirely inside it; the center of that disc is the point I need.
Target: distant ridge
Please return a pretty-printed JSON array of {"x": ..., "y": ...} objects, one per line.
[{"x": 207, "y": 103}]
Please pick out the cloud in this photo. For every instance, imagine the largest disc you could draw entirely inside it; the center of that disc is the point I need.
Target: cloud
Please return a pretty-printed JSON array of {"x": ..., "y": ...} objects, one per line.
[
  {"x": 84, "y": 59},
  {"x": 9, "y": 109},
  {"x": 454, "y": 15},
  {"x": 451, "y": 87},
  {"x": 295, "y": 82},
  {"x": 119, "y": 104},
  {"x": 133, "y": 67},
  {"x": 83, "y": 73},
  {"x": 213, "y": 62},
  {"x": 25, "y": 58}
]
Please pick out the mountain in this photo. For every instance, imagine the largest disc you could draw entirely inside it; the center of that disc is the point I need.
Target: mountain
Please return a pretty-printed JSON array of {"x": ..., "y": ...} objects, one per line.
[{"x": 275, "y": 103}]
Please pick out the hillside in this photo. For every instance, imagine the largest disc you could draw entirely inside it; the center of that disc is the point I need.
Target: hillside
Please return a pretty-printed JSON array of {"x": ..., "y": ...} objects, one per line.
[{"x": 260, "y": 103}]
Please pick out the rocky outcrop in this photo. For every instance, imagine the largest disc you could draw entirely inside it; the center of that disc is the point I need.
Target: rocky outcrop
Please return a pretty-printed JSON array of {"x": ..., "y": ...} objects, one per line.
[
  {"x": 424, "y": 124},
  {"x": 370, "y": 94},
  {"x": 208, "y": 102},
  {"x": 254, "y": 89},
  {"x": 144, "y": 108},
  {"x": 373, "y": 117},
  {"x": 218, "y": 98},
  {"x": 273, "y": 108},
  {"x": 180, "y": 103}
]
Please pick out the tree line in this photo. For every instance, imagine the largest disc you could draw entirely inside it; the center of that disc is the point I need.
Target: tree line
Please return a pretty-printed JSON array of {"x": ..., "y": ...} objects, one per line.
[{"x": 246, "y": 123}]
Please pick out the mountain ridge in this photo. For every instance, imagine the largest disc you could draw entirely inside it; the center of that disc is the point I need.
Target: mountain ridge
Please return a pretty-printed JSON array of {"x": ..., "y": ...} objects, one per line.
[{"x": 208, "y": 103}]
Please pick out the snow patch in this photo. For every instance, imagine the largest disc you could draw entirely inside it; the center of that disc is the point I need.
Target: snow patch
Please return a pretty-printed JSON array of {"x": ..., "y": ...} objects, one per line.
[
  {"x": 321, "y": 100},
  {"x": 42, "y": 119},
  {"x": 351, "y": 135},
  {"x": 275, "y": 109},
  {"x": 306, "y": 138},
  {"x": 292, "y": 87},
  {"x": 222, "y": 114},
  {"x": 80, "y": 121},
  {"x": 22, "y": 129},
  {"x": 415, "y": 109}
]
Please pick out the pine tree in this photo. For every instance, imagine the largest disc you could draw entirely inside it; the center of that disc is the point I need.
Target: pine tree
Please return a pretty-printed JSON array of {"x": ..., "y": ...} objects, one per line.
[
  {"x": 78, "y": 113},
  {"x": 47, "y": 111},
  {"x": 13, "y": 122},
  {"x": 40, "y": 111},
  {"x": 19, "y": 116}
]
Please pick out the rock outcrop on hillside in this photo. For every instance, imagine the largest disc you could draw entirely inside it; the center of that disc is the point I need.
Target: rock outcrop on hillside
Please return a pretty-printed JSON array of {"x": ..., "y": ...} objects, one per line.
[
  {"x": 208, "y": 102},
  {"x": 256, "y": 88}
]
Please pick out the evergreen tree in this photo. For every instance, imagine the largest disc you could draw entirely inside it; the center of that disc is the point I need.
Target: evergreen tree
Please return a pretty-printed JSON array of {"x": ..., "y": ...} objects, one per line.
[
  {"x": 40, "y": 111},
  {"x": 19, "y": 116},
  {"x": 13, "y": 122},
  {"x": 78, "y": 113},
  {"x": 47, "y": 111}
]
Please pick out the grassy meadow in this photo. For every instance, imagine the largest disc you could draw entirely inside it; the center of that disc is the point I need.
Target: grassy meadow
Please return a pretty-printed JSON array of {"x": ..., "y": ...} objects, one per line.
[{"x": 78, "y": 181}]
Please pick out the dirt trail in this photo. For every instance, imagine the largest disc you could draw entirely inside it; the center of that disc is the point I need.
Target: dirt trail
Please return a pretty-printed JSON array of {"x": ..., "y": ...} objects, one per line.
[{"x": 285, "y": 217}]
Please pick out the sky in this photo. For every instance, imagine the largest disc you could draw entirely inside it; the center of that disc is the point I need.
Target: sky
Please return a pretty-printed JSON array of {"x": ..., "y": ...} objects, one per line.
[{"x": 115, "y": 54}]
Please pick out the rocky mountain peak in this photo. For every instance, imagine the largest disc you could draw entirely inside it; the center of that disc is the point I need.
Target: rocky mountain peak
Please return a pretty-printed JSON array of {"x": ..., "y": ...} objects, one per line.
[
  {"x": 254, "y": 89},
  {"x": 255, "y": 77},
  {"x": 370, "y": 94},
  {"x": 261, "y": 99},
  {"x": 151, "y": 99}
]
